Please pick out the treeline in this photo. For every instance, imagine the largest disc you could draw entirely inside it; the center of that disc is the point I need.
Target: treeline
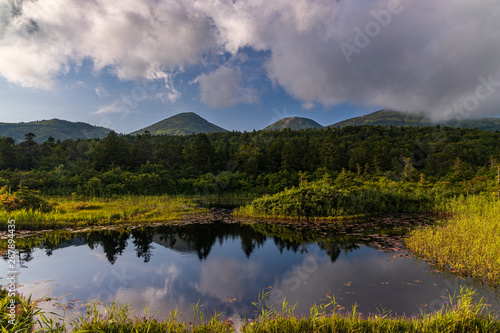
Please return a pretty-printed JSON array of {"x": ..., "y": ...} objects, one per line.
[{"x": 255, "y": 163}]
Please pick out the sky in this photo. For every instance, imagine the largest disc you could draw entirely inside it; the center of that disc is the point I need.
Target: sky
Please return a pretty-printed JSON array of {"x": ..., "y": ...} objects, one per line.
[{"x": 125, "y": 64}]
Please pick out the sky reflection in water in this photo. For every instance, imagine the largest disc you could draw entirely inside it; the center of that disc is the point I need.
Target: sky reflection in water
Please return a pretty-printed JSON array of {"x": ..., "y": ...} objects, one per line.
[{"x": 224, "y": 267}]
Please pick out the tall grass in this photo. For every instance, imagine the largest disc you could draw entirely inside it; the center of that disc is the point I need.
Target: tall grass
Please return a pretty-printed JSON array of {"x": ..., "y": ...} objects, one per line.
[
  {"x": 28, "y": 317},
  {"x": 323, "y": 200},
  {"x": 117, "y": 318},
  {"x": 469, "y": 243},
  {"x": 74, "y": 212},
  {"x": 464, "y": 313}
]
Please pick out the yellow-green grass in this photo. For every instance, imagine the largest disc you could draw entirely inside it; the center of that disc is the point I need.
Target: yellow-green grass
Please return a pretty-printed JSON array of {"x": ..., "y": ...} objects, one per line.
[
  {"x": 17, "y": 314},
  {"x": 77, "y": 213},
  {"x": 464, "y": 313},
  {"x": 468, "y": 244},
  {"x": 323, "y": 201},
  {"x": 248, "y": 213}
]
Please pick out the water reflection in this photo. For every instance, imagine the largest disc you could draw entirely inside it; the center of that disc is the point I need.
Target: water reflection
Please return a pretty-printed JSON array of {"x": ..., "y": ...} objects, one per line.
[
  {"x": 225, "y": 266},
  {"x": 191, "y": 239}
]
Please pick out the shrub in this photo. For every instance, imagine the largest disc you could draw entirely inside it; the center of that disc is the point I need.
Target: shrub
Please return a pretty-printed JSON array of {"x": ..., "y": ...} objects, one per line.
[{"x": 23, "y": 199}]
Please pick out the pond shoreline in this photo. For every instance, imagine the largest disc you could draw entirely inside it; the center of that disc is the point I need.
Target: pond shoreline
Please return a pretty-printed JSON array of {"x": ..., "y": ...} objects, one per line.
[{"x": 388, "y": 240}]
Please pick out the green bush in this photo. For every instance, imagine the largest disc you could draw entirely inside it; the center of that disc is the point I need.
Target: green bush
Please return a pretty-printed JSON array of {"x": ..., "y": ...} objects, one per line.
[
  {"x": 342, "y": 198},
  {"x": 24, "y": 198}
]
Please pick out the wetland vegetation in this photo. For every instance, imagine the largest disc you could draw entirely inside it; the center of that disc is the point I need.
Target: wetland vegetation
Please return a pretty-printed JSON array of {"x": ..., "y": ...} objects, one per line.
[
  {"x": 295, "y": 178},
  {"x": 32, "y": 212},
  {"x": 467, "y": 244},
  {"x": 463, "y": 313}
]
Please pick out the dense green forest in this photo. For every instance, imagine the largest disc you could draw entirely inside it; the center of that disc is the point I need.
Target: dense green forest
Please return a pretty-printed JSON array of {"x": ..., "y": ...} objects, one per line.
[{"x": 253, "y": 163}]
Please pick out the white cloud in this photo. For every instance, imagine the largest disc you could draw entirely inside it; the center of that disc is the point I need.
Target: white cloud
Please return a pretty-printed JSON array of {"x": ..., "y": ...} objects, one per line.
[
  {"x": 308, "y": 105},
  {"x": 427, "y": 55},
  {"x": 231, "y": 283},
  {"x": 117, "y": 107},
  {"x": 222, "y": 88},
  {"x": 136, "y": 39},
  {"x": 101, "y": 92}
]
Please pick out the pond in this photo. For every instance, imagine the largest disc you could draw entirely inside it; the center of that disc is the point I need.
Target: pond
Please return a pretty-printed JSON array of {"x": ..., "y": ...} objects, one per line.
[{"x": 224, "y": 267}]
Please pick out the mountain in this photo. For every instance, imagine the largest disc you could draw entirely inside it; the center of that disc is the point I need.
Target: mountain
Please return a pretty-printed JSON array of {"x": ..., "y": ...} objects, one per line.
[
  {"x": 395, "y": 118},
  {"x": 294, "y": 123},
  {"x": 58, "y": 129},
  {"x": 181, "y": 124}
]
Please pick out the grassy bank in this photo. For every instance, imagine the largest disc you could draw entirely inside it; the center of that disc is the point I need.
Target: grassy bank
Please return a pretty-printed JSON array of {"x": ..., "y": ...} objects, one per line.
[
  {"x": 344, "y": 198},
  {"x": 462, "y": 314},
  {"x": 469, "y": 243},
  {"x": 82, "y": 212}
]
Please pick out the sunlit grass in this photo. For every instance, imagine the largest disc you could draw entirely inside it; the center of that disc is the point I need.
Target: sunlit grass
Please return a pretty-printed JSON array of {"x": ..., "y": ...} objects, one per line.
[
  {"x": 323, "y": 201},
  {"x": 463, "y": 313},
  {"x": 469, "y": 243},
  {"x": 78, "y": 212}
]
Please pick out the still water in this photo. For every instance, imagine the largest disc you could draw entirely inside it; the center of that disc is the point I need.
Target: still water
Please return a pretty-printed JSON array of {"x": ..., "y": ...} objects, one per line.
[{"x": 224, "y": 267}]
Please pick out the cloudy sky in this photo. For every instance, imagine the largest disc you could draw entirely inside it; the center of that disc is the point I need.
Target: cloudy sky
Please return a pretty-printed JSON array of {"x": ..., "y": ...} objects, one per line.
[{"x": 125, "y": 64}]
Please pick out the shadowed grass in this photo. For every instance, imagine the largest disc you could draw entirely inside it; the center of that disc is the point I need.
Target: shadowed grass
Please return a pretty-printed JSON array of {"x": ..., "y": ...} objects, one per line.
[{"x": 469, "y": 243}]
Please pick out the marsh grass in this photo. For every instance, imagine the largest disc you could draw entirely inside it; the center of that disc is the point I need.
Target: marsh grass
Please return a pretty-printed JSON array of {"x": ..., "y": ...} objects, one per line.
[
  {"x": 28, "y": 317},
  {"x": 81, "y": 212},
  {"x": 463, "y": 313},
  {"x": 468, "y": 244},
  {"x": 322, "y": 201},
  {"x": 118, "y": 318}
]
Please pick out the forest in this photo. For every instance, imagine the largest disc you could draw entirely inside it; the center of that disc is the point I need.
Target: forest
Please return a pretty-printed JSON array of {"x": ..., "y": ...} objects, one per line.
[
  {"x": 337, "y": 175},
  {"x": 251, "y": 164}
]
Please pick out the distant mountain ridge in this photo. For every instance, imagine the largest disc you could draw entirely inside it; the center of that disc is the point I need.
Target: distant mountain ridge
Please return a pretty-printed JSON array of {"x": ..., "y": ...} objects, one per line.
[
  {"x": 181, "y": 124},
  {"x": 56, "y": 128},
  {"x": 293, "y": 123},
  {"x": 396, "y": 118},
  {"x": 190, "y": 123}
]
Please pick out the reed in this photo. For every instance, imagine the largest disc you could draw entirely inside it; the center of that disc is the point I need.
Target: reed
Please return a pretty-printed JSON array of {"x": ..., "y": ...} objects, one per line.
[
  {"x": 321, "y": 200},
  {"x": 463, "y": 313},
  {"x": 468, "y": 243},
  {"x": 84, "y": 212}
]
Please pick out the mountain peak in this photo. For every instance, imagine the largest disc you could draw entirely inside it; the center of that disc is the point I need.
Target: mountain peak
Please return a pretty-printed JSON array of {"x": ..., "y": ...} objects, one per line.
[
  {"x": 402, "y": 119},
  {"x": 56, "y": 128},
  {"x": 294, "y": 123},
  {"x": 184, "y": 123}
]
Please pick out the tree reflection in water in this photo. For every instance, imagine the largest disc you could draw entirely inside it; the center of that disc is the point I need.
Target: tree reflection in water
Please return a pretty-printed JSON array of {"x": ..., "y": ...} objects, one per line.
[{"x": 197, "y": 239}]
